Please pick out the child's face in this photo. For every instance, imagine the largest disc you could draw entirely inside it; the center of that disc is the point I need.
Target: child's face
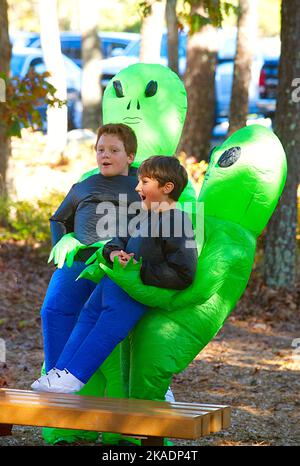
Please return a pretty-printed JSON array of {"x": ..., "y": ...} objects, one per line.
[
  {"x": 152, "y": 194},
  {"x": 112, "y": 158}
]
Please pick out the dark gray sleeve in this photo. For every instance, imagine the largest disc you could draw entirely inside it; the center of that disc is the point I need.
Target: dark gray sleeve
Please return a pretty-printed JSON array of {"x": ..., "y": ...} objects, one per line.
[
  {"x": 179, "y": 249},
  {"x": 62, "y": 221},
  {"x": 116, "y": 244},
  {"x": 179, "y": 268}
]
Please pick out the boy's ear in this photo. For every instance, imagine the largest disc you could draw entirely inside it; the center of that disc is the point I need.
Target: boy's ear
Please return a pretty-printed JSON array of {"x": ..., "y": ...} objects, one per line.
[
  {"x": 130, "y": 158},
  {"x": 168, "y": 187}
]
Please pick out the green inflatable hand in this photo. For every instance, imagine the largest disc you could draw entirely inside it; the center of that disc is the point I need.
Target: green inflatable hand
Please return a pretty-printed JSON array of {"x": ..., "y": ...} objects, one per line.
[
  {"x": 131, "y": 274},
  {"x": 93, "y": 271},
  {"x": 65, "y": 250},
  {"x": 97, "y": 256}
]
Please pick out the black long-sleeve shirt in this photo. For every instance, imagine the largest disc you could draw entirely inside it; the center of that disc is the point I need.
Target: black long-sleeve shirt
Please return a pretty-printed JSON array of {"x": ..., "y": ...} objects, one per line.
[
  {"x": 94, "y": 210},
  {"x": 166, "y": 243}
]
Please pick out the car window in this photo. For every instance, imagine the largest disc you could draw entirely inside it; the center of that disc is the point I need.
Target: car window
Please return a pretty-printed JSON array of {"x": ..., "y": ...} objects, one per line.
[
  {"x": 31, "y": 41},
  {"x": 16, "y": 65},
  {"x": 36, "y": 44},
  {"x": 71, "y": 47}
]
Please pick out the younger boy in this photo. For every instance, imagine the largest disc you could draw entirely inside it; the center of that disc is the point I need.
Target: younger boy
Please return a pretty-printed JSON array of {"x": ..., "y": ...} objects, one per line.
[{"x": 169, "y": 259}]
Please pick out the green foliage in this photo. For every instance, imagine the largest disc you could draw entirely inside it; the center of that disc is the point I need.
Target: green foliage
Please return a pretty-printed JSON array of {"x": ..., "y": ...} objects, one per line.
[
  {"x": 28, "y": 221},
  {"x": 23, "y": 96},
  {"x": 145, "y": 8},
  {"x": 210, "y": 12}
]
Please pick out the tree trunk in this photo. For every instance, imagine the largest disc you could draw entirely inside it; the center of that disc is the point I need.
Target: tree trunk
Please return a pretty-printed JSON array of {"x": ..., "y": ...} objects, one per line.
[
  {"x": 151, "y": 32},
  {"x": 91, "y": 65},
  {"x": 200, "y": 84},
  {"x": 5, "y": 53},
  {"x": 280, "y": 240},
  {"x": 57, "y": 118},
  {"x": 172, "y": 26},
  {"x": 247, "y": 32}
]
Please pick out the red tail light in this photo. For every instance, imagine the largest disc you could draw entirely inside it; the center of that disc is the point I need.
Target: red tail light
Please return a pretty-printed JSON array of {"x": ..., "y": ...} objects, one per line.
[{"x": 262, "y": 82}]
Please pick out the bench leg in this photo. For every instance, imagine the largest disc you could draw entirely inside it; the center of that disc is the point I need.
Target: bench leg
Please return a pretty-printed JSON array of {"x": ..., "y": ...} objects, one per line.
[
  {"x": 152, "y": 441},
  {"x": 5, "y": 429}
]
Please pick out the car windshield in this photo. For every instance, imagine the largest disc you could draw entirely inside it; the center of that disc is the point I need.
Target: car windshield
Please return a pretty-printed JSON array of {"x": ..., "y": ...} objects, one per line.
[
  {"x": 16, "y": 64},
  {"x": 133, "y": 49}
]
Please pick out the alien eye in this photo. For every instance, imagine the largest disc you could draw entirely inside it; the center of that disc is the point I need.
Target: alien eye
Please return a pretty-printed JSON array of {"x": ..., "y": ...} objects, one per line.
[
  {"x": 229, "y": 157},
  {"x": 151, "y": 89},
  {"x": 118, "y": 88}
]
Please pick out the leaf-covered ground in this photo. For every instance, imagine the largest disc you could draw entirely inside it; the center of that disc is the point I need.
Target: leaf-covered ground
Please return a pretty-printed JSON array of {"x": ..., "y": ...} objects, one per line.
[{"x": 251, "y": 365}]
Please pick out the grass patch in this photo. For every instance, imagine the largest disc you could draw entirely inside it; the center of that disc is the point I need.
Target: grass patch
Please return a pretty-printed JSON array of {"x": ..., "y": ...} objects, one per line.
[{"x": 28, "y": 221}]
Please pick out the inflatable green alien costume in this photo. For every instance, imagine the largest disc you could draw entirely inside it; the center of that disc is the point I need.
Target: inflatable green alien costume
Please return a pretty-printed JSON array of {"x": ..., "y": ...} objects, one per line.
[
  {"x": 152, "y": 100},
  {"x": 242, "y": 186},
  {"x": 243, "y": 183}
]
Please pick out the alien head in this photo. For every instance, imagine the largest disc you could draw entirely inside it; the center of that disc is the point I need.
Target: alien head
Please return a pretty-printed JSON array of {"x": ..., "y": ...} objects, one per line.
[
  {"x": 151, "y": 99},
  {"x": 245, "y": 178}
]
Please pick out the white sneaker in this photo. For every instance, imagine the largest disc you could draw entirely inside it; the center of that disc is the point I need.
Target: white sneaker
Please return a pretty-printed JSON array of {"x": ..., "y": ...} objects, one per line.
[
  {"x": 39, "y": 383},
  {"x": 60, "y": 381},
  {"x": 169, "y": 396}
]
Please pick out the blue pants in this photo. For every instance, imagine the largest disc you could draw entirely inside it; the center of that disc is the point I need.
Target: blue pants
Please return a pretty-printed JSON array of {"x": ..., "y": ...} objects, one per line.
[
  {"x": 62, "y": 304},
  {"x": 105, "y": 320}
]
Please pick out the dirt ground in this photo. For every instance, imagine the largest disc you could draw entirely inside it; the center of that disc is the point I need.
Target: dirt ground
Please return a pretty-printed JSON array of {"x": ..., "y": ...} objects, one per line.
[{"x": 252, "y": 364}]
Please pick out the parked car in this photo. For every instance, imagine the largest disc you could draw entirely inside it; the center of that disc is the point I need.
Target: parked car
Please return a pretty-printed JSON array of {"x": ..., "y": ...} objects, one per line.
[
  {"x": 224, "y": 70},
  {"x": 113, "y": 44},
  {"x": 23, "y": 38},
  {"x": 24, "y": 59},
  {"x": 268, "y": 82},
  {"x": 268, "y": 79},
  {"x": 223, "y": 87},
  {"x": 111, "y": 66}
]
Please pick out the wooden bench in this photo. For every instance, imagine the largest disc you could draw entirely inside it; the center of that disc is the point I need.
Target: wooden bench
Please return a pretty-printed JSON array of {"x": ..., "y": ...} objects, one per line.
[{"x": 149, "y": 420}]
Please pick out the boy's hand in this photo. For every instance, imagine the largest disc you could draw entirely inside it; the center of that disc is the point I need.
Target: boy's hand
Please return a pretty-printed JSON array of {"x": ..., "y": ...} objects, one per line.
[
  {"x": 113, "y": 254},
  {"x": 127, "y": 256},
  {"x": 123, "y": 257}
]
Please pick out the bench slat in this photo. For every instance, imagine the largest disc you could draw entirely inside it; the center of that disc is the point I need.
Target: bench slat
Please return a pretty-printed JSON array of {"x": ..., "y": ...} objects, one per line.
[
  {"x": 126, "y": 416},
  {"x": 111, "y": 403},
  {"x": 40, "y": 397},
  {"x": 102, "y": 421}
]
